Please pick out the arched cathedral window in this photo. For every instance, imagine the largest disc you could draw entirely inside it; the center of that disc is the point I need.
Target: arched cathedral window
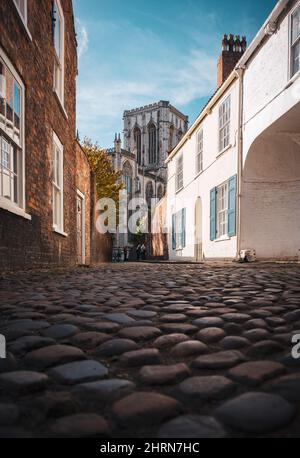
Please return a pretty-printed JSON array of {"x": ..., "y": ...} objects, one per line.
[
  {"x": 149, "y": 193},
  {"x": 160, "y": 192},
  {"x": 127, "y": 176},
  {"x": 152, "y": 144},
  {"x": 138, "y": 144},
  {"x": 171, "y": 137}
]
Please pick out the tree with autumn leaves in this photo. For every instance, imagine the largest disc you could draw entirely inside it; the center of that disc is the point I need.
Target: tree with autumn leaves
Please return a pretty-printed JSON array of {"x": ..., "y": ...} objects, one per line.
[{"x": 108, "y": 183}]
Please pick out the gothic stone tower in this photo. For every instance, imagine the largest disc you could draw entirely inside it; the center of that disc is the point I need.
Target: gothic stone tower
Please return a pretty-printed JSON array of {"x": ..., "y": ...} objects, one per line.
[{"x": 152, "y": 131}]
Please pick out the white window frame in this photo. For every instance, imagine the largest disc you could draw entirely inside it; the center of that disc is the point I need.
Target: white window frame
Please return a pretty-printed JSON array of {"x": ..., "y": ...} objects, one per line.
[
  {"x": 178, "y": 231},
  {"x": 128, "y": 183},
  {"x": 199, "y": 151},
  {"x": 23, "y": 18},
  {"x": 83, "y": 221},
  {"x": 292, "y": 44},
  {"x": 18, "y": 209},
  {"x": 179, "y": 173},
  {"x": 222, "y": 210},
  {"x": 224, "y": 124},
  {"x": 57, "y": 146},
  {"x": 59, "y": 62}
]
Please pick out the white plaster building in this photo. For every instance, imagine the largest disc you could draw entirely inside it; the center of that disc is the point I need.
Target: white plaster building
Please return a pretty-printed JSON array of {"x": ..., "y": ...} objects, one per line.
[
  {"x": 270, "y": 181},
  {"x": 202, "y": 176},
  {"x": 234, "y": 178}
]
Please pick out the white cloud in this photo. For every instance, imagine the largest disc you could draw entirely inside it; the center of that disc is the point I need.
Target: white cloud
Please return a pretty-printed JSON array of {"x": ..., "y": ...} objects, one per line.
[{"x": 82, "y": 38}]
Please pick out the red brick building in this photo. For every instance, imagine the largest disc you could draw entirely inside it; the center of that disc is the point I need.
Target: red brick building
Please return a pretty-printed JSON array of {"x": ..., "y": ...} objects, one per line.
[
  {"x": 38, "y": 189},
  {"x": 86, "y": 195}
]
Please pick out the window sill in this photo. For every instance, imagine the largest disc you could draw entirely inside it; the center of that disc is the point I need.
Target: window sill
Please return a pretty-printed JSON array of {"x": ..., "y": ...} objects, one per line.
[
  {"x": 59, "y": 232},
  {"x": 6, "y": 205},
  {"x": 292, "y": 79},
  {"x": 222, "y": 239},
  {"x": 24, "y": 25},
  {"x": 62, "y": 108},
  {"x": 224, "y": 150}
]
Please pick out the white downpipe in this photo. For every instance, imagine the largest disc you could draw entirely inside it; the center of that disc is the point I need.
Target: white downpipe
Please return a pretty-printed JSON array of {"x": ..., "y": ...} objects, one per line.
[{"x": 240, "y": 73}]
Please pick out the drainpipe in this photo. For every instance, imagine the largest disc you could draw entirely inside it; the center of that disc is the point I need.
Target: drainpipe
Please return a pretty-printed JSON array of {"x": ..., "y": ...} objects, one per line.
[{"x": 240, "y": 72}]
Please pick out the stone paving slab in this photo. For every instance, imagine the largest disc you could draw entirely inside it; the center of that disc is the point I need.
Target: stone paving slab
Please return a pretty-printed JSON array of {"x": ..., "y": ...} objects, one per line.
[{"x": 151, "y": 350}]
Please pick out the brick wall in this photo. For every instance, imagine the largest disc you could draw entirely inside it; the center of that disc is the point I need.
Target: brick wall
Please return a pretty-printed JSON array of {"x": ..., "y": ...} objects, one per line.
[
  {"x": 33, "y": 243},
  {"x": 226, "y": 63},
  {"x": 85, "y": 184}
]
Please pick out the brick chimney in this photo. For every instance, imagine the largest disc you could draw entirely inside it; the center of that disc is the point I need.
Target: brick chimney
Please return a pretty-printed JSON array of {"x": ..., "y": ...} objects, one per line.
[{"x": 232, "y": 50}]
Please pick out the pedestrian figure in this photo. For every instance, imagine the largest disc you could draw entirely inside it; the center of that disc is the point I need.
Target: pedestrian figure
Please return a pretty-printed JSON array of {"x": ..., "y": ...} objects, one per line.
[
  {"x": 126, "y": 254},
  {"x": 119, "y": 255},
  {"x": 143, "y": 252},
  {"x": 138, "y": 252}
]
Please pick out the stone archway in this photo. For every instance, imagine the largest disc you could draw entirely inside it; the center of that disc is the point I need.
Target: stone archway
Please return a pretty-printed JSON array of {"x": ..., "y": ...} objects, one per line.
[
  {"x": 270, "y": 204},
  {"x": 198, "y": 230}
]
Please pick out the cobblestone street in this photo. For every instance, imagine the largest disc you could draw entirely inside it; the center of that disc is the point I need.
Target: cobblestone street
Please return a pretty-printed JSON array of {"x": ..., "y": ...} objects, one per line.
[{"x": 151, "y": 350}]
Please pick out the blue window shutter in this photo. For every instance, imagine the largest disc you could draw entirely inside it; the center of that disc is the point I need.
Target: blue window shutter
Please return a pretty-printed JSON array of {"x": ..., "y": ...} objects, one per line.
[
  {"x": 183, "y": 228},
  {"x": 232, "y": 206},
  {"x": 174, "y": 232},
  {"x": 213, "y": 214}
]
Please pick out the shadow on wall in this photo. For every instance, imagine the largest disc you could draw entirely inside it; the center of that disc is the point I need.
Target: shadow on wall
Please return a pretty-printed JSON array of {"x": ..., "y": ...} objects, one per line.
[
  {"x": 159, "y": 239},
  {"x": 159, "y": 246},
  {"x": 270, "y": 210},
  {"x": 102, "y": 247},
  {"x": 101, "y": 244}
]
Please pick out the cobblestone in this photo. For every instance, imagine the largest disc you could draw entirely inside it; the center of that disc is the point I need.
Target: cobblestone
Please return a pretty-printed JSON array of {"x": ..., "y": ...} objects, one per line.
[
  {"x": 206, "y": 388},
  {"x": 164, "y": 375},
  {"x": 78, "y": 372},
  {"x": 80, "y": 425},
  {"x": 192, "y": 426},
  {"x": 141, "y": 357},
  {"x": 255, "y": 372},
  {"x": 256, "y": 412},
  {"x": 148, "y": 408},
  {"x": 21, "y": 382},
  {"x": 52, "y": 355},
  {"x": 152, "y": 350}
]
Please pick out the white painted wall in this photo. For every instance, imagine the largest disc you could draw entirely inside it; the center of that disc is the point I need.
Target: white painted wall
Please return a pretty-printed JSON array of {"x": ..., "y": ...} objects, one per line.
[
  {"x": 270, "y": 198},
  {"x": 217, "y": 169},
  {"x": 270, "y": 211},
  {"x": 269, "y": 92}
]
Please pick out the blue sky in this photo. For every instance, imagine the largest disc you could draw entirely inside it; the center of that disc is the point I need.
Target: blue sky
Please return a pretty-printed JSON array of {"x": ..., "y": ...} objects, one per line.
[{"x": 136, "y": 52}]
